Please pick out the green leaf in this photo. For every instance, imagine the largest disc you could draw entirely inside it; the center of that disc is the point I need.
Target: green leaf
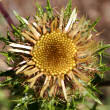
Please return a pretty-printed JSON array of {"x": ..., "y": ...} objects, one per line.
[
  {"x": 49, "y": 10},
  {"x": 19, "y": 17},
  {"x": 71, "y": 105},
  {"x": 101, "y": 52},
  {"x": 16, "y": 31},
  {"x": 8, "y": 56},
  {"x": 51, "y": 105},
  {"x": 40, "y": 11},
  {"x": 104, "y": 68},
  {"x": 23, "y": 102},
  {"x": 89, "y": 92},
  {"x": 92, "y": 26},
  {"x": 103, "y": 47},
  {"x": 68, "y": 9},
  {"x": 4, "y": 39},
  {"x": 22, "y": 24},
  {"x": 9, "y": 37},
  {"x": 6, "y": 82},
  {"x": 26, "y": 88}
]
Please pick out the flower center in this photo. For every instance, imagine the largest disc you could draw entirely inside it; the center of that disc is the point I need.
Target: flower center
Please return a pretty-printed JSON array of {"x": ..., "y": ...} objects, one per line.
[{"x": 54, "y": 53}]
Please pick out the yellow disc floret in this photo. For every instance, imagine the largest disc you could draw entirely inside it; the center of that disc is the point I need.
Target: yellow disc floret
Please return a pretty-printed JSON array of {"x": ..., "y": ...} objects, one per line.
[{"x": 54, "y": 53}]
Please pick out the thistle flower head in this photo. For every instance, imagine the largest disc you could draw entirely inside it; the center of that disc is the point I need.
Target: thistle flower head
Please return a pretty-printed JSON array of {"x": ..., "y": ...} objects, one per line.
[
  {"x": 60, "y": 49},
  {"x": 54, "y": 53}
]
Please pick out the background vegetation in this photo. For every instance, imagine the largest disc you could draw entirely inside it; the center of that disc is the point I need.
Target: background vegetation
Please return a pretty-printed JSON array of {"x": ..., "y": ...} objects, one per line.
[{"x": 23, "y": 97}]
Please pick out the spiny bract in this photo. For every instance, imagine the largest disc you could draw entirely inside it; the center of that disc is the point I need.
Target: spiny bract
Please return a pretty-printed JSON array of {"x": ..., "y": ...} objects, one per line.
[{"x": 58, "y": 49}]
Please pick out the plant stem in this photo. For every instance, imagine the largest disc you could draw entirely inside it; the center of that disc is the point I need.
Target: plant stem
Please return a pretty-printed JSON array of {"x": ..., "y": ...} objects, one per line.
[{"x": 6, "y": 15}]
